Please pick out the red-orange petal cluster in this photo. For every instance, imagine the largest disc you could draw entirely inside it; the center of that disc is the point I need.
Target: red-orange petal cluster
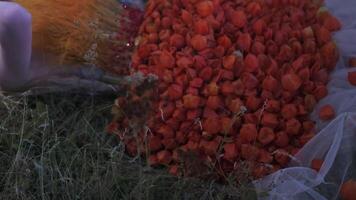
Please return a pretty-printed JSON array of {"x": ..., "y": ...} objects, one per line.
[{"x": 237, "y": 81}]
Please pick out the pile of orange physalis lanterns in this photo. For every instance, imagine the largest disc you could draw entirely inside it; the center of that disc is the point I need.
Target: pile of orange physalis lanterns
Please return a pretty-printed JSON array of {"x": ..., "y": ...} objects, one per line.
[{"x": 236, "y": 81}]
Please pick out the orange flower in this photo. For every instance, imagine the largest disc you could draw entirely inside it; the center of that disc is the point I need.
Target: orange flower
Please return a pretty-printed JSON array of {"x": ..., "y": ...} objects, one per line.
[
  {"x": 260, "y": 171},
  {"x": 201, "y": 27},
  {"x": 193, "y": 114},
  {"x": 175, "y": 91},
  {"x": 332, "y": 23},
  {"x": 173, "y": 123},
  {"x": 306, "y": 137},
  {"x": 205, "y": 8},
  {"x": 174, "y": 170},
  {"x": 244, "y": 42},
  {"x": 308, "y": 125},
  {"x": 181, "y": 137},
  {"x": 184, "y": 62},
  {"x": 164, "y": 157},
  {"x": 322, "y": 35},
  {"x": 293, "y": 126},
  {"x": 227, "y": 88},
  {"x": 209, "y": 147},
  {"x": 347, "y": 191},
  {"x": 226, "y": 74},
  {"x": 320, "y": 92},
  {"x": 191, "y": 146},
  {"x": 270, "y": 120},
  {"x": 187, "y": 17},
  {"x": 273, "y": 106},
  {"x": 166, "y": 60},
  {"x": 259, "y": 26},
  {"x": 209, "y": 113},
  {"x": 169, "y": 143},
  {"x": 308, "y": 33},
  {"x": 265, "y": 156},
  {"x": 309, "y": 46},
  {"x": 151, "y": 28},
  {"x": 291, "y": 82},
  {"x": 152, "y": 37},
  {"x": 289, "y": 111},
  {"x": 270, "y": 84},
  {"x": 238, "y": 18},
  {"x": 192, "y": 91},
  {"x": 251, "y": 63},
  {"x": 297, "y": 47},
  {"x": 351, "y": 76},
  {"x": 144, "y": 51},
  {"x": 112, "y": 127},
  {"x": 226, "y": 124},
  {"x": 330, "y": 55},
  {"x": 230, "y": 151},
  {"x": 248, "y": 133},
  {"x": 206, "y": 73},
  {"x": 166, "y": 131},
  {"x": 258, "y": 48},
  {"x": 229, "y": 62},
  {"x": 254, "y": 8},
  {"x": 285, "y": 53},
  {"x": 199, "y": 42},
  {"x": 131, "y": 147},
  {"x": 253, "y": 103},
  {"x": 164, "y": 34},
  {"x": 214, "y": 102},
  {"x": 212, "y": 126},
  {"x": 213, "y": 89},
  {"x": 266, "y": 135},
  {"x": 282, "y": 157},
  {"x": 219, "y": 51},
  {"x": 166, "y": 22},
  {"x": 167, "y": 109},
  {"x": 249, "y": 81},
  {"x": 235, "y": 105},
  {"x": 249, "y": 152},
  {"x": 304, "y": 74},
  {"x": 177, "y": 41},
  {"x": 182, "y": 80},
  {"x": 250, "y": 118},
  {"x": 352, "y": 62},
  {"x": 152, "y": 160},
  {"x": 326, "y": 112},
  {"x": 224, "y": 41},
  {"x": 282, "y": 139}
]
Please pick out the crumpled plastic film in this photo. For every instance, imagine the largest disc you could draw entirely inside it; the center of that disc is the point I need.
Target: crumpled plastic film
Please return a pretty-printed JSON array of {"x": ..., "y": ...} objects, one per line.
[{"x": 335, "y": 140}]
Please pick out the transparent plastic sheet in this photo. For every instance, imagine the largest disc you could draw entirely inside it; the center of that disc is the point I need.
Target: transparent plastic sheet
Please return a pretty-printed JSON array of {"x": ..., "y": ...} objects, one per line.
[{"x": 335, "y": 140}]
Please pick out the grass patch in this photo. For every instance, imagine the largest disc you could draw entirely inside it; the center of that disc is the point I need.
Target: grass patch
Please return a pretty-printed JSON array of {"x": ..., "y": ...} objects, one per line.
[{"x": 54, "y": 147}]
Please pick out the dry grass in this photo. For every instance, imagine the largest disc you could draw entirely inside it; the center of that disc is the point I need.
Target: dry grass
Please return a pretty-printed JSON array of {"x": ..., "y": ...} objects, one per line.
[{"x": 54, "y": 147}]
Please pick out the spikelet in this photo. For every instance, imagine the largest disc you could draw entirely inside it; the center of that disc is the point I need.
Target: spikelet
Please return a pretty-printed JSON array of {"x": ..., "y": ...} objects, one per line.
[{"x": 75, "y": 31}]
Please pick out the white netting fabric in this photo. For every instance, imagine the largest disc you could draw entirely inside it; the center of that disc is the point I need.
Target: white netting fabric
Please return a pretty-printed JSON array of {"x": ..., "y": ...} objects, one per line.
[{"x": 335, "y": 141}]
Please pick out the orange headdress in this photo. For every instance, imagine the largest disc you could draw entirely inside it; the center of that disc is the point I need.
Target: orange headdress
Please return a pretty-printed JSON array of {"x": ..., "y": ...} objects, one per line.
[{"x": 78, "y": 31}]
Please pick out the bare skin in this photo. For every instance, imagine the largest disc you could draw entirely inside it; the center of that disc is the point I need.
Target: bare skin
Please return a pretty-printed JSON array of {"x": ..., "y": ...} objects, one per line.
[{"x": 15, "y": 42}]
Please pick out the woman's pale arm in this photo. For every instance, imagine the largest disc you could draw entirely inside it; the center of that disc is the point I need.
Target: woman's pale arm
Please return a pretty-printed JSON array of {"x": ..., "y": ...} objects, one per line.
[{"x": 15, "y": 45}]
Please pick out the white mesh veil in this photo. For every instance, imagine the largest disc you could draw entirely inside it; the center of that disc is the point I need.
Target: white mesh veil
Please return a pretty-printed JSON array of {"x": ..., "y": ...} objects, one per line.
[{"x": 335, "y": 140}]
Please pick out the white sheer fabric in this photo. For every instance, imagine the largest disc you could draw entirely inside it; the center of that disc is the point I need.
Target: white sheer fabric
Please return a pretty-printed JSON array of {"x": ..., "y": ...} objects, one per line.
[{"x": 335, "y": 141}]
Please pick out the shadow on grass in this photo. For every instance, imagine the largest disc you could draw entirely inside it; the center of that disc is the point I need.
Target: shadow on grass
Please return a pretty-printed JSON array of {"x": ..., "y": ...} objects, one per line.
[{"x": 54, "y": 147}]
